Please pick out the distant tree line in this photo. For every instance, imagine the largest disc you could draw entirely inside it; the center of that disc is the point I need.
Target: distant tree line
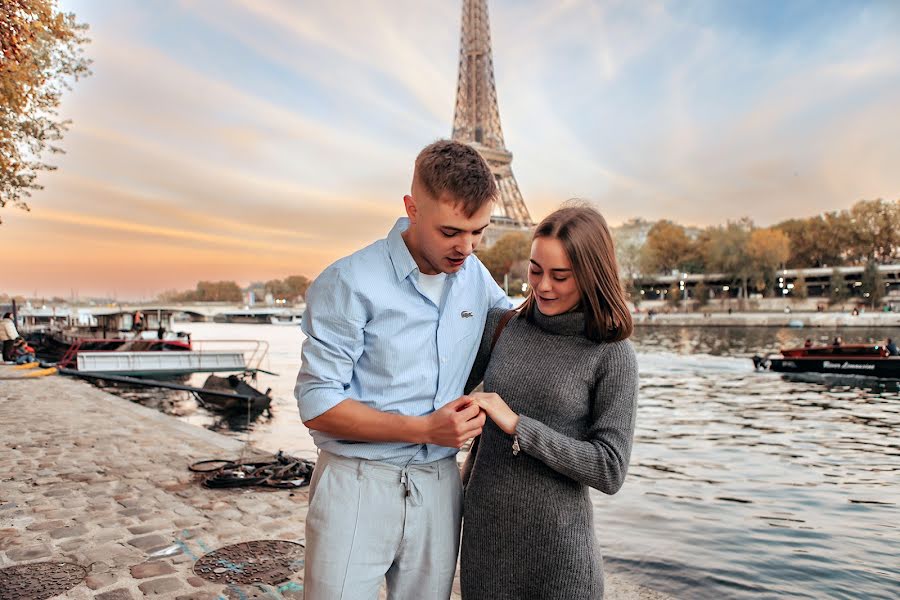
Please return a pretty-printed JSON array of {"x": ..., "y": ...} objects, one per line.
[
  {"x": 866, "y": 234},
  {"x": 289, "y": 288}
]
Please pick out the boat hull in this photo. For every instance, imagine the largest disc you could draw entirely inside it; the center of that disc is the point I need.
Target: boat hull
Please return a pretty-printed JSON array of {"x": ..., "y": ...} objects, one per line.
[
  {"x": 879, "y": 367},
  {"x": 258, "y": 401}
]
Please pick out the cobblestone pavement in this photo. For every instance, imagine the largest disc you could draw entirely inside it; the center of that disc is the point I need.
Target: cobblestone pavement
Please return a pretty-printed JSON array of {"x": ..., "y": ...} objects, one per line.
[{"x": 90, "y": 478}]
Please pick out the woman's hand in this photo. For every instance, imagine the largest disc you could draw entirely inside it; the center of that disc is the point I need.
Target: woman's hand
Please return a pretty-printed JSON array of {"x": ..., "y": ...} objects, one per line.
[{"x": 498, "y": 411}]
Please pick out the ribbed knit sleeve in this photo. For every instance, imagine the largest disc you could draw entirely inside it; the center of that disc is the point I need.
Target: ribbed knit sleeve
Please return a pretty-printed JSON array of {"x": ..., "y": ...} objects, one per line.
[{"x": 601, "y": 460}]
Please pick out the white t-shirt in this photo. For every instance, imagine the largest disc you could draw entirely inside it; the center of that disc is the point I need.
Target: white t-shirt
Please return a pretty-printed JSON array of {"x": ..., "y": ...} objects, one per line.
[{"x": 433, "y": 286}]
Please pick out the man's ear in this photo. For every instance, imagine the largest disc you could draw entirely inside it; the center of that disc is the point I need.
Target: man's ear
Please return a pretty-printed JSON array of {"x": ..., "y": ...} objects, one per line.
[{"x": 412, "y": 210}]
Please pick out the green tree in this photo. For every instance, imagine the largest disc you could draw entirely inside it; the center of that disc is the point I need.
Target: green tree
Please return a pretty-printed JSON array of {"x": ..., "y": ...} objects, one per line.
[
  {"x": 768, "y": 249},
  {"x": 724, "y": 251},
  {"x": 873, "y": 283},
  {"x": 874, "y": 230},
  {"x": 839, "y": 292},
  {"x": 673, "y": 296},
  {"x": 817, "y": 241},
  {"x": 701, "y": 294},
  {"x": 505, "y": 253},
  {"x": 800, "y": 288},
  {"x": 42, "y": 51}
]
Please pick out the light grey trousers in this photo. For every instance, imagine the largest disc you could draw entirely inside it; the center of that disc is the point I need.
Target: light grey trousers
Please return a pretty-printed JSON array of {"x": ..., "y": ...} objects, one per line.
[{"x": 369, "y": 522}]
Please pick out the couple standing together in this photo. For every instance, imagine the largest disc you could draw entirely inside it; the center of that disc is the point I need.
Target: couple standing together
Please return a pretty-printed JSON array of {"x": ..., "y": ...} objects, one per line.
[{"x": 398, "y": 335}]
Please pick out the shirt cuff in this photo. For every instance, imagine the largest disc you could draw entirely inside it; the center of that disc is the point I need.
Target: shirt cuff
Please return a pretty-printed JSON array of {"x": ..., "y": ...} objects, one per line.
[{"x": 315, "y": 402}]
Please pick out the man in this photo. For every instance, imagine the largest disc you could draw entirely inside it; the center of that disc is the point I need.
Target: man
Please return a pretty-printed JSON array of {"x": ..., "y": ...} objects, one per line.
[
  {"x": 392, "y": 331},
  {"x": 891, "y": 348}
]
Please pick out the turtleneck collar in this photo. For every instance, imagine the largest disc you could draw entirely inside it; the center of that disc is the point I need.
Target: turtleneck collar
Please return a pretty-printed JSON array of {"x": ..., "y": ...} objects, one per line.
[{"x": 570, "y": 323}]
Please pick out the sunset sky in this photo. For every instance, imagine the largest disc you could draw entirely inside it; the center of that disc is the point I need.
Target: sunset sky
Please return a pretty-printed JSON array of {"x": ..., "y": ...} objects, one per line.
[{"x": 250, "y": 140}]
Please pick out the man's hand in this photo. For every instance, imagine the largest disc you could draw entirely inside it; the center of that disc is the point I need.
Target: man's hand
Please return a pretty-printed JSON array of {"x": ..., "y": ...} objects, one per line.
[
  {"x": 497, "y": 409},
  {"x": 454, "y": 424}
]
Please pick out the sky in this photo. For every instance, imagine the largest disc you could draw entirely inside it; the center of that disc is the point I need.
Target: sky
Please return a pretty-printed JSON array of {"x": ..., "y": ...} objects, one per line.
[{"x": 249, "y": 140}]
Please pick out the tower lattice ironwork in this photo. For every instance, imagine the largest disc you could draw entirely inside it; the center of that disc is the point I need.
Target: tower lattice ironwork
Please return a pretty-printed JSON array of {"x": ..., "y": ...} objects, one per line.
[{"x": 476, "y": 120}]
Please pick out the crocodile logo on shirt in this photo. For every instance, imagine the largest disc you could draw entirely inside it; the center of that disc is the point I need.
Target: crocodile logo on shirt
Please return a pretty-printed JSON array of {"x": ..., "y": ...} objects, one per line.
[{"x": 466, "y": 314}]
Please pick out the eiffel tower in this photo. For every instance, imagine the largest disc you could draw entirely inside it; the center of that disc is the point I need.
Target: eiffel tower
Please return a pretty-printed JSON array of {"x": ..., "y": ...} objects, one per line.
[{"x": 476, "y": 120}]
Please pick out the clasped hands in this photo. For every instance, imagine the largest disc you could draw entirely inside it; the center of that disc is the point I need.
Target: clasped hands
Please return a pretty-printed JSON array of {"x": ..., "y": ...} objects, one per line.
[{"x": 461, "y": 420}]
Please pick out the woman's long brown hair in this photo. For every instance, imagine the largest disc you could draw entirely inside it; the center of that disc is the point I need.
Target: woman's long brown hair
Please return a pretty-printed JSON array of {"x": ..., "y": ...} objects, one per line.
[{"x": 589, "y": 246}]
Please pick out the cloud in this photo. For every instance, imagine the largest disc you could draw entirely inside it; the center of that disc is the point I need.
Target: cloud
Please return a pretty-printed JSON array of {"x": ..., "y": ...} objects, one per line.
[{"x": 257, "y": 137}]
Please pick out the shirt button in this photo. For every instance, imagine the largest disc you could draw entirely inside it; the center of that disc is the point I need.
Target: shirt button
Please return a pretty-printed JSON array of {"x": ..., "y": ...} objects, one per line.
[{"x": 443, "y": 361}]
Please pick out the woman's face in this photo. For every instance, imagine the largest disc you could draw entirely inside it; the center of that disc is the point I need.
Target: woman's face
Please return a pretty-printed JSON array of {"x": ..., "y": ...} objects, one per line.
[{"x": 551, "y": 278}]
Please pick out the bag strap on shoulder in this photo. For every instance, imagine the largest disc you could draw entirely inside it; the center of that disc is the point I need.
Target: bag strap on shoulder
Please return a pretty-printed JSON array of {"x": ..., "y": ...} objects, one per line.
[{"x": 507, "y": 316}]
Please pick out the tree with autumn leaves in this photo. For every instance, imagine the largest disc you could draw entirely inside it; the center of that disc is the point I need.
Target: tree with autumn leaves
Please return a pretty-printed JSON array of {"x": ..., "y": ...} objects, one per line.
[
  {"x": 868, "y": 233},
  {"x": 42, "y": 51},
  {"x": 668, "y": 248},
  {"x": 508, "y": 257},
  {"x": 767, "y": 249},
  {"x": 291, "y": 288}
]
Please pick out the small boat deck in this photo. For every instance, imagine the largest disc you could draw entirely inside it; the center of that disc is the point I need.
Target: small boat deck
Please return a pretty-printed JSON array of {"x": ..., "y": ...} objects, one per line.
[{"x": 161, "y": 363}]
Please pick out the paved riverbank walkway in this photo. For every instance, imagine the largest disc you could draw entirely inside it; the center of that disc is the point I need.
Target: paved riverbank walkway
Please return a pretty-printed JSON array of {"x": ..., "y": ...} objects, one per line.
[{"x": 95, "y": 480}]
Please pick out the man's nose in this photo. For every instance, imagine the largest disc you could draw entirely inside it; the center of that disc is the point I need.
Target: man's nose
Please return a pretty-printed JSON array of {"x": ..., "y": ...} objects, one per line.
[{"x": 467, "y": 244}]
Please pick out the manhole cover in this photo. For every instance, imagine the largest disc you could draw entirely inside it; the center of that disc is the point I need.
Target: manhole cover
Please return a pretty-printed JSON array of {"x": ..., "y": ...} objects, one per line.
[
  {"x": 260, "y": 561},
  {"x": 38, "y": 581}
]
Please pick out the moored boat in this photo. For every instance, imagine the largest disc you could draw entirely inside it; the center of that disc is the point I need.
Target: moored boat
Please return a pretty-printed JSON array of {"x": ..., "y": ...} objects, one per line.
[
  {"x": 868, "y": 360},
  {"x": 256, "y": 400},
  {"x": 141, "y": 343},
  {"x": 146, "y": 330}
]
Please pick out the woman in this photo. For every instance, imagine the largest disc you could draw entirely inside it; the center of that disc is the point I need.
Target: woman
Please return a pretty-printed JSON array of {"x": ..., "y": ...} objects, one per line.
[
  {"x": 8, "y": 335},
  {"x": 560, "y": 393}
]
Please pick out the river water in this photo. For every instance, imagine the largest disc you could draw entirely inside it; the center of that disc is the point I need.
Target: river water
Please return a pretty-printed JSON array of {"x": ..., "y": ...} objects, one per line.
[{"x": 742, "y": 484}]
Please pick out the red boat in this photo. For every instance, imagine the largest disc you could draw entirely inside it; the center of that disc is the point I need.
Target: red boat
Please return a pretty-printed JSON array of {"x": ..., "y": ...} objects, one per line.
[
  {"x": 113, "y": 331},
  {"x": 869, "y": 360}
]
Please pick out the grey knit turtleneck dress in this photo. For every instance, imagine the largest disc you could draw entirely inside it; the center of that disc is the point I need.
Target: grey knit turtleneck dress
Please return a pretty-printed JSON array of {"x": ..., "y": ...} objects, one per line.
[{"x": 528, "y": 530}]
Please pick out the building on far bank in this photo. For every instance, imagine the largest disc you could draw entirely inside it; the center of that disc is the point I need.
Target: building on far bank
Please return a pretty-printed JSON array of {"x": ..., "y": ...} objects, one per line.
[{"x": 720, "y": 286}]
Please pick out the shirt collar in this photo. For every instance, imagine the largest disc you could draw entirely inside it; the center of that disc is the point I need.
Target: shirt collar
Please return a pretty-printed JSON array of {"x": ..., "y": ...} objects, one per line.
[{"x": 403, "y": 262}]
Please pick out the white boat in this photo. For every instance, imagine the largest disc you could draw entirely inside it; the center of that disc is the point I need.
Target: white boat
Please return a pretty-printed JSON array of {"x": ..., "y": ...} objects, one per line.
[{"x": 160, "y": 364}]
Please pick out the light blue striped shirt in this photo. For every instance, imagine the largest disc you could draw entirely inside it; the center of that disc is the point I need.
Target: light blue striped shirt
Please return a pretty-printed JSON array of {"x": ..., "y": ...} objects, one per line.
[{"x": 371, "y": 335}]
